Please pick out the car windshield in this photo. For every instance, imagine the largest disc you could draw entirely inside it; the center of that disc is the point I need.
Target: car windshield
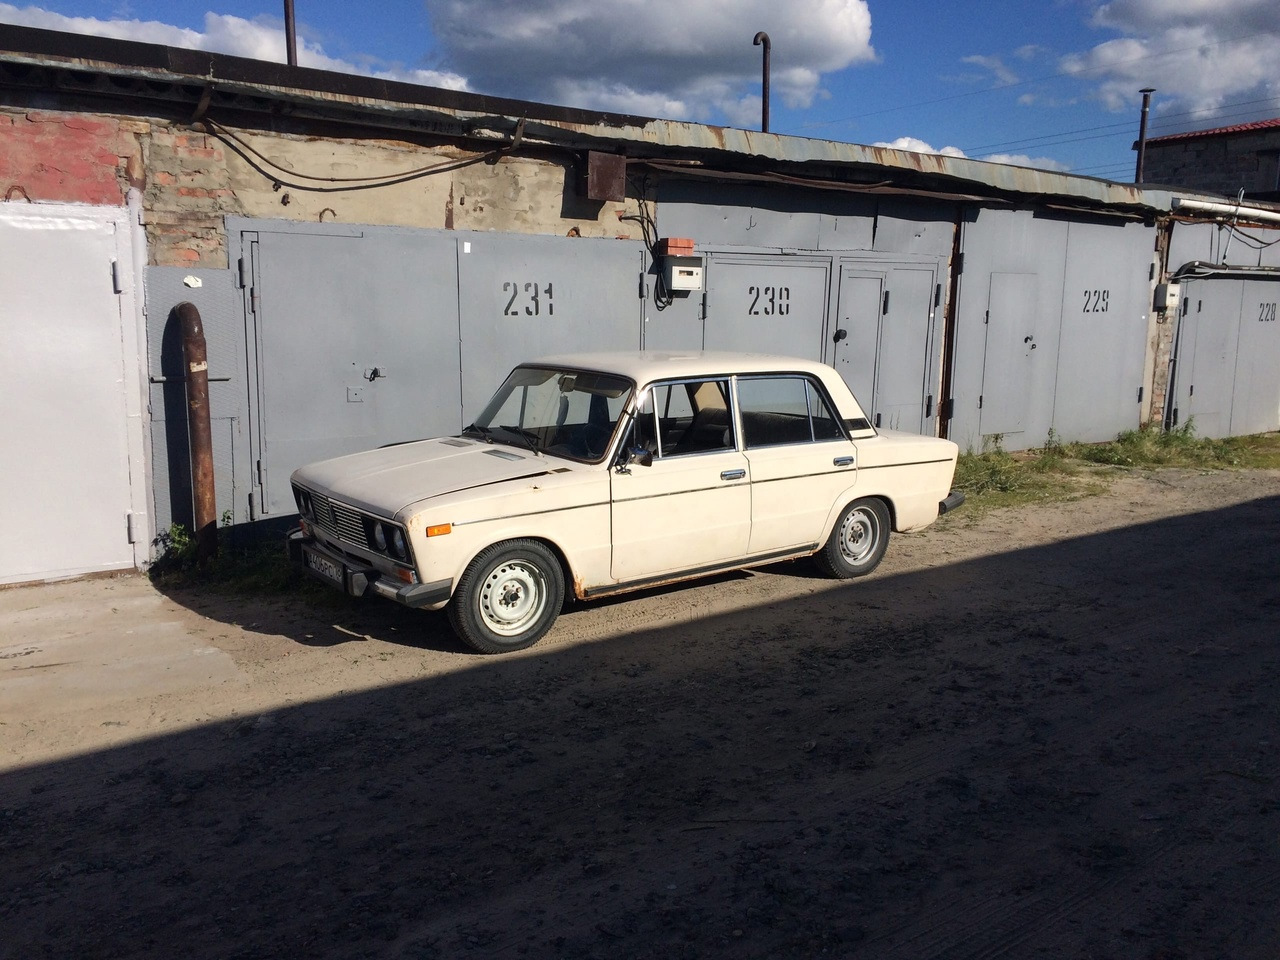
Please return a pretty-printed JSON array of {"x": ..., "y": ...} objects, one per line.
[{"x": 568, "y": 413}]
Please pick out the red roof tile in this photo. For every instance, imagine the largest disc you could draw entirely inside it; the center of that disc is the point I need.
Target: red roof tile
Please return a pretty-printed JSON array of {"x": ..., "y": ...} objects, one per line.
[{"x": 1218, "y": 131}]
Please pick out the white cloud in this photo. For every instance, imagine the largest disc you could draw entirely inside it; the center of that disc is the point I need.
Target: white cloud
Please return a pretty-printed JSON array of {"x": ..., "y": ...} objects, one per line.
[
  {"x": 680, "y": 59},
  {"x": 916, "y": 145},
  {"x": 1202, "y": 56},
  {"x": 1025, "y": 160},
  {"x": 1002, "y": 73},
  {"x": 260, "y": 39}
]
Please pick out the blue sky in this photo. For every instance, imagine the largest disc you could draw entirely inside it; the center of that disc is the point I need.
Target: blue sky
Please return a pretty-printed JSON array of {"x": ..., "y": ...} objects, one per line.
[{"x": 1051, "y": 83}]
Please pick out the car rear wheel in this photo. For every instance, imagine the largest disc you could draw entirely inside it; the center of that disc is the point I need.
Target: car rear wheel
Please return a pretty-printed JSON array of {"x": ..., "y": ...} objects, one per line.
[
  {"x": 508, "y": 598},
  {"x": 858, "y": 540}
]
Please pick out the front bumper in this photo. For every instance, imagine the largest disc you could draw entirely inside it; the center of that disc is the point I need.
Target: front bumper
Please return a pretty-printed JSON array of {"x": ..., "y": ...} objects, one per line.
[{"x": 361, "y": 580}]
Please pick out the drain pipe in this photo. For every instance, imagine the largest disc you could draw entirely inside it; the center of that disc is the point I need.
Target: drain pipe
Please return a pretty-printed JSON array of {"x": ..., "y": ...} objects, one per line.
[
  {"x": 1142, "y": 131},
  {"x": 762, "y": 39},
  {"x": 200, "y": 431},
  {"x": 290, "y": 34}
]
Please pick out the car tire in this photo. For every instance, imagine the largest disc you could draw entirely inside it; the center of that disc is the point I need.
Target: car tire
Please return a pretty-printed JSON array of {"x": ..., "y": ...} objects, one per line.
[
  {"x": 508, "y": 598},
  {"x": 858, "y": 540}
]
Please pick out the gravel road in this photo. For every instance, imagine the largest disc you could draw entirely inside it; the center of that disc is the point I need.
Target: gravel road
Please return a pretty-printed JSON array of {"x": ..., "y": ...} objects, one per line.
[{"x": 1044, "y": 732}]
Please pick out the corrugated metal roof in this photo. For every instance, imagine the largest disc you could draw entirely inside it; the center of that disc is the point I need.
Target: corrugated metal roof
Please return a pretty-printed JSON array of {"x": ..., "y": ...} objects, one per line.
[
  {"x": 1218, "y": 131},
  {"x": 179, "y": 78}
]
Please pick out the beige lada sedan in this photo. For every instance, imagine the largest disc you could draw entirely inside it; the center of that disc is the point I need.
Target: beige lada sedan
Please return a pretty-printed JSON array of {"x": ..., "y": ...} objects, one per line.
[{"x": 597, "y": 474}]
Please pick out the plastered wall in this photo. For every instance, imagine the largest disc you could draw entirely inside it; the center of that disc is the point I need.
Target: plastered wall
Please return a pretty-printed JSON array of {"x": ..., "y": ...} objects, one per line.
[{"x": 192, "y": 179}]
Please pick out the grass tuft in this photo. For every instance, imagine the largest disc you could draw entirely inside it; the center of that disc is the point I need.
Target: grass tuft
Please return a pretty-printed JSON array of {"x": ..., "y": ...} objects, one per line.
[{"x": 1065, "y": 471}]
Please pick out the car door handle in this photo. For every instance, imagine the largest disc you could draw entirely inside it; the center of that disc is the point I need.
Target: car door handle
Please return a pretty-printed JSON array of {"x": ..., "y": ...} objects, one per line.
[
  {"x": 843, "y": 461},
  {"x": 732, "y": 474}
]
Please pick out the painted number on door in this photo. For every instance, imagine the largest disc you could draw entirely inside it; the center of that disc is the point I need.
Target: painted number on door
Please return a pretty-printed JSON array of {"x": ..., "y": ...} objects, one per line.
[
  {"x": 1096, "y": 301},
  {"x": 769, "y": 301},
  {"x": 527, "y": 300},
  {"x": 1266, "y": 313}
]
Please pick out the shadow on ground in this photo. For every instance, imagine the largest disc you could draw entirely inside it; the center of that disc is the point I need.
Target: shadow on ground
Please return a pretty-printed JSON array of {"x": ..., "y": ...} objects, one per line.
[{"x": 1066, "y": 751}]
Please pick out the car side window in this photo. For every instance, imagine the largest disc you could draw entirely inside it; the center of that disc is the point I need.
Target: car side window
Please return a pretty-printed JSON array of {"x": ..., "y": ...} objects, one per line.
[
  {"x": 784, "y": 410},
  {"x": 686, "y": 417}
]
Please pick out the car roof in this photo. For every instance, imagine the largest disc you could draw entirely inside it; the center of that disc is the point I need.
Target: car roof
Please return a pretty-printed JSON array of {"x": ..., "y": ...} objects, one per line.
[{"x": 646, "y": 366}]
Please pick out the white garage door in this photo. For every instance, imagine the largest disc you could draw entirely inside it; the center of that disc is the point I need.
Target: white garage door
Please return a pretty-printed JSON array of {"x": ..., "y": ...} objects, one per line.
[{"x": 72, "y": 495}]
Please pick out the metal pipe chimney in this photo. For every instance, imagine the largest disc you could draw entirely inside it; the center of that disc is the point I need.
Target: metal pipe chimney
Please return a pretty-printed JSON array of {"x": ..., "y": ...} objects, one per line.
[
  {"x": 762, "y": 39},
  {"x": 290, "y": 35},
  {"x": 1142, "y": 132}
]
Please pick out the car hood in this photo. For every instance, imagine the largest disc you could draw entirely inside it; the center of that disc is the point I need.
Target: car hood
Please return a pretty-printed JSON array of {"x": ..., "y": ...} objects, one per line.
[{"x": 386, "y": 480}]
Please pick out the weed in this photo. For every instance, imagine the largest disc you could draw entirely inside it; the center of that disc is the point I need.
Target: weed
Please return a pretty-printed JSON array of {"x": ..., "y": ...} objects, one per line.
[
  {"x": 257, "y": 567},
  {"x": 1061, "y": 470}
]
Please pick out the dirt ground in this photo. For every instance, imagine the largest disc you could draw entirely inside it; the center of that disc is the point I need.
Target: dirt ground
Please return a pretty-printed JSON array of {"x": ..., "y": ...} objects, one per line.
[{"x": 1045, "y": 732}]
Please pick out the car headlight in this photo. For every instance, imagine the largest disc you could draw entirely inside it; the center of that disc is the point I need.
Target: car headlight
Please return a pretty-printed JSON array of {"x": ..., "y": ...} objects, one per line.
[
  {"x": 380, "y": 538},
  {"x": 398, "y": 545}
]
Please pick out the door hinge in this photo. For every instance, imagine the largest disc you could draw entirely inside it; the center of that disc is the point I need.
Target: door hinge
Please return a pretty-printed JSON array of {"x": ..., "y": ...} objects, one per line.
[
  {"x": 1140, "y": 394},
  {"x": 259, "y": 471},
  {"x": 133, "y": 523},
  {"x": 986, "y": 318},
  {"x": 959, "y": 262},
  {"x": 937, "y": 294},
  {"x": 944, "y": 408},
  {"x": 116, "y": 285},
  {"x": 253, "y": 507},
  {"x": 643, "y": 288},
  {"x": 885, "y": 309},
  {"x": 928, "y": 406},
  {"x": 244, "y": 273},
  {"x": 979, "y": 401},
  {"x": 877, "y": 421}
]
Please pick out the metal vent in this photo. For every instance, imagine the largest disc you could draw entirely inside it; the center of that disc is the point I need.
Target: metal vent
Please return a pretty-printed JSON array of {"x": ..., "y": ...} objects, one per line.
[{"x": 455, "y": 443}]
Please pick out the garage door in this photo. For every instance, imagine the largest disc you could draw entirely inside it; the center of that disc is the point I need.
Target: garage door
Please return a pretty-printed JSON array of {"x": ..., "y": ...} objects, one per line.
[{"x": 72, "y": 497}]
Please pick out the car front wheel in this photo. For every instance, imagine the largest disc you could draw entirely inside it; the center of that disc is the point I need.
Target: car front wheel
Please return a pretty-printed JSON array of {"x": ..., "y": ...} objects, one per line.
[
  {"x": 508, "y": 598},
  {"x": 858, "y": 540}
]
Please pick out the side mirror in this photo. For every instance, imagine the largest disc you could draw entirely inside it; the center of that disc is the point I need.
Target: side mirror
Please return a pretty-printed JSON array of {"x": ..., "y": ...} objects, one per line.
[{"x": 633, "y": 455}]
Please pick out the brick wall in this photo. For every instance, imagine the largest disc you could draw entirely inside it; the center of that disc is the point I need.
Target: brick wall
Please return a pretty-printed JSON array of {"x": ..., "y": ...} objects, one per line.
[
  {"x": 68, "y": 157},
  {"x": 188, "y": 193}
]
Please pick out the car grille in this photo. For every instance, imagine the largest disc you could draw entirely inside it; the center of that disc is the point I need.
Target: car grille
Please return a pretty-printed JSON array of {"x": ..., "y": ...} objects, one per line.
[{"x": 340, "y": 520}]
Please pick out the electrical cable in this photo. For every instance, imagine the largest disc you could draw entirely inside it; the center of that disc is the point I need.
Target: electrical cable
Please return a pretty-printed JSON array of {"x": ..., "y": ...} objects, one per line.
[
  {"x": 1055, "y": 76},
  {"x": 1050, "y": 139},
  {"x": 283, "y": 177},
  {"x": 662, "y": 297}
]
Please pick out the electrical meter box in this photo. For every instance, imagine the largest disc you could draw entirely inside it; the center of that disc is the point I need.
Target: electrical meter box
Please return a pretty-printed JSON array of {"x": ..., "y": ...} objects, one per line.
[
  {"x": 682, "y": 273},
  {"x": 1167, "y": 295}
]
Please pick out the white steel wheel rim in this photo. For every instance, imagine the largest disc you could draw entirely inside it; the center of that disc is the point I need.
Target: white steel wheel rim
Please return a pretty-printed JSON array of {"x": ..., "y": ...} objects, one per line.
[
  {"x": 513, "y": 597},
  {"x": 858, "y": 535}
]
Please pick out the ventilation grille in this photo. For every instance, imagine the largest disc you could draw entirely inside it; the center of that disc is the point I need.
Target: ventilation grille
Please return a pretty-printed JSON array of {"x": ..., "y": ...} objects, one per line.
[{"x": 340, "y": 520}]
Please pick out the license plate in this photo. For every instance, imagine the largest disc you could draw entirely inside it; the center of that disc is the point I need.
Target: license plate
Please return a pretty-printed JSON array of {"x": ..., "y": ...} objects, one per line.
[{"x": 325, "y": 567}]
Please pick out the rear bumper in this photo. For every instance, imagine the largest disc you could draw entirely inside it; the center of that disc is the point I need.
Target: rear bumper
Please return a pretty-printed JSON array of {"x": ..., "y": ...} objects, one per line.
[
  {"x": 358, "y": 580},
  {"x": 954, "y": 499}
]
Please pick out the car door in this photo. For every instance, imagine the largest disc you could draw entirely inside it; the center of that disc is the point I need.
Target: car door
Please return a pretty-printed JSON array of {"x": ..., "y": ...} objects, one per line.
[
  {"x": 691, "y": 508},
  {"x": 799, "y": 459}
]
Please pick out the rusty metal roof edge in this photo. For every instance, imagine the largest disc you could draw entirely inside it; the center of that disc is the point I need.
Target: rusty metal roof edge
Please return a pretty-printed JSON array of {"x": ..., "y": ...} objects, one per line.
[{"x": 490, "y": 118}]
